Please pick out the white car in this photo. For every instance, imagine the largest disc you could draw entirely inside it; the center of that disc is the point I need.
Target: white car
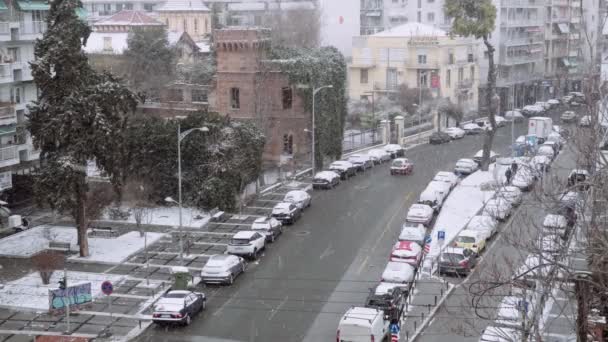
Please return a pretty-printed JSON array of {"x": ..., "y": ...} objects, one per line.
[
  {"x": 246, "y": 243},
  {"x": 484, "y": 224},
  {"x": 222, "y": 269},
  {"x": 466, "y": 166},
  {"x": 532, "y": 110},
  {"x": 525, "y": 177},
  {"x": 555, "y": 224},
  {"x": 414, "y": 232},
  {"x": 398, "y": 272},
  {"x": 395, "y": 150},
  {"x": 498, "y": 208},
  {"x": 511, "y": 194},
  {"x": 500, "y": 121},
  {"x": 585, "y": 121},
  {"x": 379, "y": 155},
  {"x": 553, "y": 102},
  {"x": 420, "y": 213},
  {"x": 434, "y": 194},
  {"x": 448, "y": 177},
  {"x": 546, "y": 150},
  {"x": 514, "y": 115},
  {"x": 270, "y": 227},
  {"x": 545, "y": 105},
  {"x": 300, "y": 198},
  {"x": 541, "y": 163},
  {"x": 455, "y": 132},
  {"x": 472, "y": 128},
  {"x": 479, "y": 155}
]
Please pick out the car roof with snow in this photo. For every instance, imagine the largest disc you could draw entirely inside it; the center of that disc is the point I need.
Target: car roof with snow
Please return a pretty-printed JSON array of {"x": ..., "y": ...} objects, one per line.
[
  {"x": 393, "y": 266},
  {"x": 244, "y": 234},
  {"x": 393, "y": 147},
  {"x": 580, "y": 172},
  {"x": 264, "y": 220},
  {"x": 466, "y": 161},
  {"x": 283, "y": 205},
  {"x": 361, "y": 317},
  {"x": 556, "y": 221},
  {"x": 438, "y": 186},
  {"x": 444, "y": 176},
  {"x": 327, "y": 175},
  {"x": 406, "y": 245},
  {"x": 385, "y": 288},
  {"x": 296, "y": 194},
  {"x": 420, "y": 208},
  {"x": 341, "y": 164},
  {"x": 479, "y": 154},
  {"x": 470, "y": 125},
  {"x": 219, "y": 259}
]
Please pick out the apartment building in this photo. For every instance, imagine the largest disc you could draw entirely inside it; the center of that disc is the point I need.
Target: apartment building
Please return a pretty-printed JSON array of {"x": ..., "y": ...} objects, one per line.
[
  {"x": 100, "y": 9},
  {"x": 380, "y": 15},
  {"x": 21, "y": 22}
]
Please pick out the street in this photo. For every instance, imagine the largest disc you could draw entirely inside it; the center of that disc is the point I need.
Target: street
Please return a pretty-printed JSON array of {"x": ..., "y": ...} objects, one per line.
[{"x": 326, "y": 262}]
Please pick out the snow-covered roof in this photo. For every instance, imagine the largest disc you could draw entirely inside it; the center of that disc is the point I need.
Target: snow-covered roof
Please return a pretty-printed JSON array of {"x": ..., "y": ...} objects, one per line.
[
  {"x": 97, "y": 42},
  {"x": 204, "y": 47},
  {"x": 129, "y": 18},
  {"x": 261, "y": 6},
  {"x": 247, "y": 6},
  {"x": 183, "y": 6},
  {"x": 412, "y": 30}
]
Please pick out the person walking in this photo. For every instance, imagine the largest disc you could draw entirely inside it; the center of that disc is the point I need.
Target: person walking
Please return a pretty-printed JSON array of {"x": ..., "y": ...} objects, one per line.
[{"x": 508, "y": 175}]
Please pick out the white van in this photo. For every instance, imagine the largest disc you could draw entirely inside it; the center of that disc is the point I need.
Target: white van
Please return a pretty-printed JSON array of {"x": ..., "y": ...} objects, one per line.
[{"x": 362, "y": 325}]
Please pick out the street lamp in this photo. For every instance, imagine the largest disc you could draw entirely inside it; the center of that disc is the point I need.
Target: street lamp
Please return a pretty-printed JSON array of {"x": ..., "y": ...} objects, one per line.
[
  {"x": 314, "y": 93},
  {"x": 181, "y": 136}
]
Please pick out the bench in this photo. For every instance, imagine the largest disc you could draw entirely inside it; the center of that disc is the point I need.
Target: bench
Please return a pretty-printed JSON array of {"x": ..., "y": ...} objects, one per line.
[
  {"x": 103, "y": 232},
  {"x": 59, "y": 246},
  {"x": 217, "y": 215}
]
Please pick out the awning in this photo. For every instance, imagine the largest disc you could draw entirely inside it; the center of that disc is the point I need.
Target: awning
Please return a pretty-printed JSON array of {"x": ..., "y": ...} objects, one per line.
[
  {"x": 564, "y": 28},
  {"x": 3, "y": 6},
  {"x": 8, "y": 129},
  {"x": 33, "y": 5}
]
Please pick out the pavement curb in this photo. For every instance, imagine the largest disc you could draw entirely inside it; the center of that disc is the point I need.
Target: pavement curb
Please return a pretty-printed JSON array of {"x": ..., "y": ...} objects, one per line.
[{"x": 430, "y": 317}]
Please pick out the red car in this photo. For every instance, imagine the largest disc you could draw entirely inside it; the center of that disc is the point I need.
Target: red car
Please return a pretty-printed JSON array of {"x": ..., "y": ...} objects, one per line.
[
  {"x": 408, "y": 252},
  {"x": 402, "y": 166}
]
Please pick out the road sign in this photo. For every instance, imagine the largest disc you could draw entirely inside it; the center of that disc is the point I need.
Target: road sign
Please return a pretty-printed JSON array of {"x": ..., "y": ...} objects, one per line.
[
  {"x": 394, "y": 338},
  {"x": 441, "y": 235},
  {"x": 107, "y": 288},
  {"x": 522, "y": 305},
  {"x": 427, "y": 243},
  {"x": 394, "y": 328}
]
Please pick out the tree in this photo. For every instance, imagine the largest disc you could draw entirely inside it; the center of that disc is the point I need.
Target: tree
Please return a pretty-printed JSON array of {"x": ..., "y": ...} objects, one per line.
[
  {"x": 136, "y": 195},
  {"x": 199, "y": 72},
  {"x": 409, "y": 98},
  {"x": 47, "y": 262},
  {"x": 78, "y": 116},
  {"x": 450, "y": 110},
  {"x": 477, "y": 18},
  {"x": 150, "y": 59}
]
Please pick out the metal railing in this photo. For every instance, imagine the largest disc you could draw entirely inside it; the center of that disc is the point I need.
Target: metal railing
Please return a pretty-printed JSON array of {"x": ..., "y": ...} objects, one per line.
[
  {"x": 8, "y": 152},
  {"x": 520, "y": 3},
  {"x": 360, "y": 139},
  {"x": 4, "y": 28}
]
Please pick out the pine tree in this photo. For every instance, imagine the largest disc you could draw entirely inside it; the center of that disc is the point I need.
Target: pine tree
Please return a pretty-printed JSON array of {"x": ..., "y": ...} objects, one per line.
[{"x": 78, "y": 116}]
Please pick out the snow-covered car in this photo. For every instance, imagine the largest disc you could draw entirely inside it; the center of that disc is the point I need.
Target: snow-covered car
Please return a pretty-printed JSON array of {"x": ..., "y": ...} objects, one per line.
[
  {"x": 300, "y": 198},
  {"x": 500, "y": 121},
  {"x": 247, "y": 243},
  {"x": 457, "y": 260},
  {"x": 447, "y": 177},
  {"x": 566, "y": 99},
  {"x": 434, "y": 194},
  {"x": 361, "y": 162},
  {"x": 544, "y": 105},
  {"x": 568, "y": 116},
  {"x": 553, "y": 103},
  {"x": 270, "y": 227},
  {"x": 585, "y": 121},
  {"x": 420, "y": 213},
  {"x": 379, "y": 155},
  {"x": 222, "y": 269},
  {"x": 414, "y": 232},
  {"x": 178, "y": 307},
  {"x": 557, "y": 138},
  {"x": 343, "y": 168},
  {"x": 398, "y": 272},
  {"x": 546, "y": 150},
  {"x": 532, "y": 110},
  {"x": 553, "y": 144},
  {"x": 514, "y": 115},
  {"x": 437, "y": 138},
  {"x": 498, "y": 208},
  {"x": 455, "y": 132},
  {"x": 555, "y": 224},
  {"x": 387, "y": 297},
  {"x": 479, "y": 155},
  {"x": 578, "y": 179},
  {"x": 484, "y": 224},
  {"x": 511, "y": 194},
  {"x": 406, "y": 251},
  {"x": 401, "y": 166},
  {"x": 542, "y": 164},
  {"x": 471, "y": 239},
  {"x": 472, "y": 128},
  {"x": 466, "y": 166},
  {"x": 286, "y": 212},
  {"x": 525, "y": 177},
  {"x": 395, "y": 150},
  {"x": 325, "y": 180},
  {"x": 551, "y": 247},
  {"x": 572, "y": 199}
]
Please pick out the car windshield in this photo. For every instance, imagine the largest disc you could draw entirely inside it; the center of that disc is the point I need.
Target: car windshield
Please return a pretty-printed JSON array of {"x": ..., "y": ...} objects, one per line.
[
  {"x": 379, "y": 301},
  {"x": 175, "y": 295},
  {"x": 398, "y": 163},
  {"x": 452, "y": 257},
  {"x": 240, "y": 241},
  {"x": 465, "y": 239}
]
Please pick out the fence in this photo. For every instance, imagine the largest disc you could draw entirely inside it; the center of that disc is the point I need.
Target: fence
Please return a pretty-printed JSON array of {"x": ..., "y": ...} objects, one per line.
[{"x": 355, "y": 139}]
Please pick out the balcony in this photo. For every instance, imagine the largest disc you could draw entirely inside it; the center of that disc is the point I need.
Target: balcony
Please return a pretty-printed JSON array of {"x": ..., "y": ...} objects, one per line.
[
  {"x": 521, "y": 22},
  {"x": 536, "y": 39},
  {"x": 7, "y": 114},
  {"x": 520, "y": 3},
  {"x": 560, "y": 3},
  {"x": 517, "y": 78},
  {"x": 30, "y": 30},
  {"x": 9, "y": 156},
  {"x": 6, "y": 73},
  {"x": 521, "y": 59}
]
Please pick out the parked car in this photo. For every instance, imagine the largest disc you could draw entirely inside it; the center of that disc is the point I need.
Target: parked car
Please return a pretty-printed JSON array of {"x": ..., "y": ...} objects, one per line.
[
  {"x": 395, "y": 150},
  {"x": 542, "y": 164},
  {"x": 222, "y": 269},
  {"x": 270, "y": 227},
  {"x": 448, "y": 177},
  {"x": 415, "y": 232},
  {"x": 511, "y": 194},
  {"x": 361, "y": 162},
  {"x": 525, "y": 177},
  {"x": 420, "y": 213},
  {"x": 402, "y": 166},
  {"x": 514, "y": 115},
  {"x": 178, "y": 307},
  {"x": 455, "y": 132},
  {"x": 479, "y": 155},
  {"x": 472, "y": 128},
  {"x": 568, "y": 116},
  {"x": 484, "y": 224},
  {"x": 546, "y": 150},
  {"x": 343, "y": 168},
  {"x": 457, "y": 260},
  {"x": 553, "y": 103},
  {"x": 532, "y": 110},
  {"x": 300, "y": 198},
  {"x": 325, "y": 180},
  {"x": 408, "y": 252},
  {"x": 466, "y": 166},
  {"x": 398, "y": 273},
  {"x": 471, "y": 239},
  {"x": 434, "y": 194},
  {"x": 379, "y": 155},
  {"x": 585, "y": 121},
  {"x": 578, "y": 178},
  {"x": 544, "y": 105},
  {"x": 387, "y": 297},
  {"x": 498, "y": 208},
  {"x": 555, "y": 224},
  {"x": 500, "y": 120},
  {"x": 363, "y": 324},
  {"x": 557, "y": 138},
  {"x": 286, "y": 212},
  {"x": 437, "y": 138},
  {"x": 553, "y": 144},
  {"x": 247, "y": 243},
  {"x": 566, "y": 99}
]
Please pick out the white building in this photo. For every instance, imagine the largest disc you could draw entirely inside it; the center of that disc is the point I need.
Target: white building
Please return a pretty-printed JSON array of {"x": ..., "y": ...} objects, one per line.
[
  {"x": 380, "y": 15},
  {"x": 99, "y": 9}
]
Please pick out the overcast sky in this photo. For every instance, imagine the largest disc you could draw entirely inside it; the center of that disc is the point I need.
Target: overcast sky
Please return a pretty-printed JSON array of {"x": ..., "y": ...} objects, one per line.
[{"x": 340, "y": 23}]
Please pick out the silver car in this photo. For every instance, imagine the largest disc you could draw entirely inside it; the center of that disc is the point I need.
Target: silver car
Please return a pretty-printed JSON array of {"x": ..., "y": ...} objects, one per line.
[
  {"x": 222, "y": 269},
  {"x": 268, "y": 226}
]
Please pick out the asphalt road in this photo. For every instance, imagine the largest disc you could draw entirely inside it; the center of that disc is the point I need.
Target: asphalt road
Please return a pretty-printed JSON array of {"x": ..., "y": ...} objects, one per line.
[{"x": 327, "y": 261}]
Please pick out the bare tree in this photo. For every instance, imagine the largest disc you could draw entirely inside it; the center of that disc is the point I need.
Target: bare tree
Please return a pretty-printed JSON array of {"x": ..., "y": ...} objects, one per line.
[
  {"x": 47, "y": 262},
  {"x": 136, "y": 195},
  {"x": 100, "y": 196}
]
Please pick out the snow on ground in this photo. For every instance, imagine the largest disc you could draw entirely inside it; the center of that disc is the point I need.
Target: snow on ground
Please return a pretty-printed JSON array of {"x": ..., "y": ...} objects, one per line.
[
  {"x": 465, "y": 201},
  {"x": 169, "y": 216},
  {"x": 29, "y": 293},
  {"x": 35, "y": 240}
]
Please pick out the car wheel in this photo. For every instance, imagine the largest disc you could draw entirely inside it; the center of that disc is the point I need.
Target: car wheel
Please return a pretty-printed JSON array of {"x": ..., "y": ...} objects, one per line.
[{"x": 188, "y": 320}]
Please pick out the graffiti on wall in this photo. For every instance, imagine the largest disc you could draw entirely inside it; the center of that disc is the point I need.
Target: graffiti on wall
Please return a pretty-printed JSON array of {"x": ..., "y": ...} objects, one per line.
[{"x": 78, "y": 297}]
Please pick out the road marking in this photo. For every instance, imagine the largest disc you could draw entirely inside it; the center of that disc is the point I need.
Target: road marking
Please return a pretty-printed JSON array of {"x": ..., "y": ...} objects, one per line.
[
  {"x": 275, "y": 310},
  {"x": 327, "y": 252},
  {"x": 363, "y": 264}
]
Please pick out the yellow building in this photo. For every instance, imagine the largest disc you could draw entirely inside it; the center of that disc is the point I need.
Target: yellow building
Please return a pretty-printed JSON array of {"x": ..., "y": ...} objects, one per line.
[
  {"x": 415, "y": 54},
  {"x": 191, "y": 16}
]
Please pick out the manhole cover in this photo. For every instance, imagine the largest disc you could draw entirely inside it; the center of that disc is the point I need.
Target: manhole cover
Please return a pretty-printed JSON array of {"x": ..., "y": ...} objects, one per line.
[{"x": 302, "y": 233}]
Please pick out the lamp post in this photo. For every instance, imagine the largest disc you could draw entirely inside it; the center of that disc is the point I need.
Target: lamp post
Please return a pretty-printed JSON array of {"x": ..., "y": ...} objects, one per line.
[
  {"x": 314, "y": 93},
  {"x": 181, "y": 136}
]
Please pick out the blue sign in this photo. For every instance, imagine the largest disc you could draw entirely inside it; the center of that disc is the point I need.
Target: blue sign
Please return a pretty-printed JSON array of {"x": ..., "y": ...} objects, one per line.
[
  {"x": 531, "y": 140},
  {"x": 428, "y": 239},
  {"x": 522, "y": 305},
  {"x": 441, "y": 235},
  {"x": 394, "y": 328}
]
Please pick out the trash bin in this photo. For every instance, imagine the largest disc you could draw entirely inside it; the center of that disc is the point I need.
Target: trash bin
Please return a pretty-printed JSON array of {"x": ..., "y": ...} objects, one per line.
[{"x": 181, "y": 277}]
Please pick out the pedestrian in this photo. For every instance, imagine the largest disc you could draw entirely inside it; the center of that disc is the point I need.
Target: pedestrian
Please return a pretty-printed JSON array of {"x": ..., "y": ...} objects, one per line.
[
  {"x": 514, "y": 168},
  {"x": 508, "y": 175}
]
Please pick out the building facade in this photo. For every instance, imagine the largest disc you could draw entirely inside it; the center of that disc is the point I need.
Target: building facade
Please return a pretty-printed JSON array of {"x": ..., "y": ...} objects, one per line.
[
  {"x": 249, "y": 87},
  {"x": 100, "y": 9},
  {"x": 416, "y": 55},
  {"x": 381, "y": 15},
  {"x": 191, "y": 16}
]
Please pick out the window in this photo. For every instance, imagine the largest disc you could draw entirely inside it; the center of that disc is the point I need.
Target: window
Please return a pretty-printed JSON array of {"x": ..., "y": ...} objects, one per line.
[
  {"x": 235, "y": 101},
  {"x": 419, "y": 3},
  {"x": 185, "y": 24},
  {"x": 470, "y": 58},
  {"x": 15, "y": 94},
  {"x": 199, "y": 95},
  {"x": 257, "y": 20},
  {"x": 118, "y": 7},
  {"x": 430, "y": 17},
  {"x": 423, "y": 80},
  {"x": 129, "y": 7},
  {"x": 392, "y": 78},
  {"x": 364, "y": 75},
  {"x": 460, "y": 74},
  {"x": 176, "y": 95},
  {"x": 472, "y": 73},
  {"x": 148, "y": 7},
  {"x": 448, "y": 78},
  {"x": 419, "y": 15},
  {"x": 14, "y": 54},
  {"x": 451, "y": 58},
  {"x": 288, "y": 144},
  {"x": 421, "y": 59},
  {"x": 287, "y": 97},
  {"x": 107, "y": 44},
  {"x": 195, "y": 25}
]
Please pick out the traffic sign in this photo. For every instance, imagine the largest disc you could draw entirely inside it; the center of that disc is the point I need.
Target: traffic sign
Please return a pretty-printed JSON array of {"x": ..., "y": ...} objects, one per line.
[
  {"x": 394, "y": 328},
  {"x": 107, "y": 288},
  {"x": 441, "y": 235}
]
